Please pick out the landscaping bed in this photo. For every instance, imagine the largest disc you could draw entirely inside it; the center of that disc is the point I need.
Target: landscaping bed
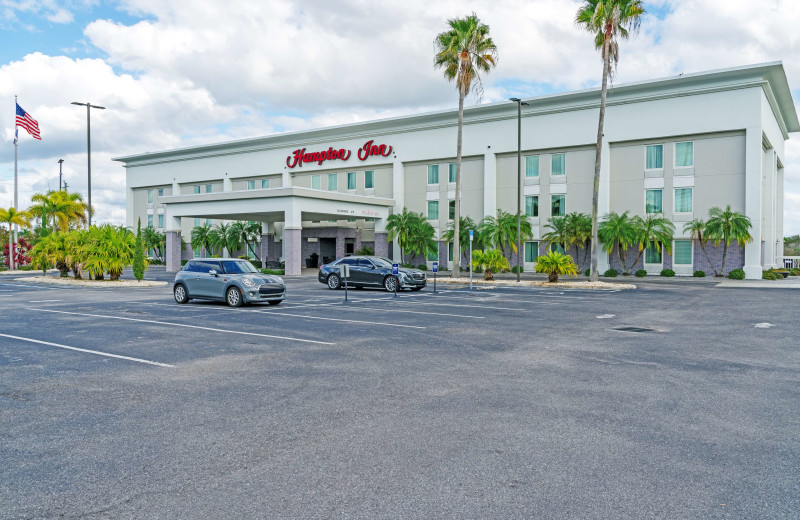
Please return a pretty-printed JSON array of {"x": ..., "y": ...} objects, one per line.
[
  {"x": 91, "y": 283},
  {"x": 567, "y": 284}
]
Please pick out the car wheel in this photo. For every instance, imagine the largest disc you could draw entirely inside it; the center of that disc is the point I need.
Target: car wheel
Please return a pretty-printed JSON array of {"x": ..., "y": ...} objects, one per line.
[
  {"x": 234, "y": 297},
  {"x": 334, "y": 282},
  {"x": 390, "y": 283},
  {"x": 180, "y": 294},
  {"x": 275, "y": 302}
]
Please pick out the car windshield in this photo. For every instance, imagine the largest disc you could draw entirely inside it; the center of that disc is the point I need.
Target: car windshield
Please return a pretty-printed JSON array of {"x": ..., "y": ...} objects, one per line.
[
  {"x": 238, "y": 267},
  {"x": 382, "y": 262}
]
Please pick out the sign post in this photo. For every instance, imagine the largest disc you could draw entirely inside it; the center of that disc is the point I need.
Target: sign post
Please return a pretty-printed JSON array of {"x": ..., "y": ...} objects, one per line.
[
  {"x": 345, "y": 270},
  {"x": 471, "y": 236},
  {"x": 435, "y": 270},
  {"x": 396, "y": 274}
]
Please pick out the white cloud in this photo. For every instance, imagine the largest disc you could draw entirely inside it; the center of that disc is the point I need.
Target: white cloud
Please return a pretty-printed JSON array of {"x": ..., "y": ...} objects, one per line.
[{"x": 215, "y": 71}]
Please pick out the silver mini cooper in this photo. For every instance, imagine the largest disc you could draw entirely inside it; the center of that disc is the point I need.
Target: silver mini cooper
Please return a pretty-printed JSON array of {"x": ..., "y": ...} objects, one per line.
[{"x": 226, "y": 279}]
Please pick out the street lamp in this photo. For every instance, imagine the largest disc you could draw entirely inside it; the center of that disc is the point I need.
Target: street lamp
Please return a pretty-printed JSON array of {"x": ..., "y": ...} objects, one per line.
[
  {"x": 519, "y": 103},
  {"x": 89, "y": 106},
  {"x": 60, "y": 162}
]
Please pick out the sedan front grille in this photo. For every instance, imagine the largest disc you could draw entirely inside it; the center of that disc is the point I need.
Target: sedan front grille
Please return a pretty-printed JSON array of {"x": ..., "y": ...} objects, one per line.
[
  {"x": 419, "y": 276},
  {"x": 270, "y": 289}
]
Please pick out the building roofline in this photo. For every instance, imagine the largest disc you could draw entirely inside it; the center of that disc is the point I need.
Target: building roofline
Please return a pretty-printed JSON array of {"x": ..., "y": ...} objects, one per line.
[{"x": 772, "y": 73}]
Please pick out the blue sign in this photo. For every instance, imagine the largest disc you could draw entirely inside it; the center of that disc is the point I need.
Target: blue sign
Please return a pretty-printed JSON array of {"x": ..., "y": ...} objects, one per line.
[
  {"x": 470, "y": 234},
  {"x": 436, "y": 267},
  {"x": 395, "y": 269}
]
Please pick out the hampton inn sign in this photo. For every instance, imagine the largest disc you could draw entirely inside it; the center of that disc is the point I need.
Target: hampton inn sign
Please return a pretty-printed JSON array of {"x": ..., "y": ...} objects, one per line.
[{"x": 369, "y": 149}]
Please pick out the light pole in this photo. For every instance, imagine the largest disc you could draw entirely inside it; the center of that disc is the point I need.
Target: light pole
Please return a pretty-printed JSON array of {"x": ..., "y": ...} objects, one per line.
[
  {"x": 60, "y": 162},
  {"x": 89, "y": 106},
  {"x": 519, "y": 103}
]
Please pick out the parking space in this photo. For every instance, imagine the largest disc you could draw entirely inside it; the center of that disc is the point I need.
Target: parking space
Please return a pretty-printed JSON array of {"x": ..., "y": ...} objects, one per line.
[{"x": 484, "y": 403}]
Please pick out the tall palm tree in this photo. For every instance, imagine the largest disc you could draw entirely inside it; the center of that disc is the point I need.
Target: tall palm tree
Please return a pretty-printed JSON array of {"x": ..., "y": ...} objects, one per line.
[
  {"x": 653, "y": 229},
  {"x": 421, "y": 239},
  {"x": 201, "y": 237},
  {"x": 12, "y": 217},
  {"x": 697, "y": 229},
  {"x": 219, "y": 237},
  {"x": 607, "y": 20},
  {"x": 242, "y": 233},
  {"x": 465, "y": 225},
  {"x": 155, "y": 240},
  {"x": 464, "y": 52},
  {"x": 501, "y": 231},
  {"x": 63, "y": 209},
  {"x": 400, "y": 226},
  {"x": 579, "y": 231},
  {"x": 617, "y": 229},
  {"x": 728, "y": 226},
  {"x": 559, "y": 233}
]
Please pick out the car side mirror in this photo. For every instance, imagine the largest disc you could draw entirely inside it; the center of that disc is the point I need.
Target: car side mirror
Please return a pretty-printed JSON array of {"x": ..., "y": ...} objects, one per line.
[{"x": 212, "y": 272}]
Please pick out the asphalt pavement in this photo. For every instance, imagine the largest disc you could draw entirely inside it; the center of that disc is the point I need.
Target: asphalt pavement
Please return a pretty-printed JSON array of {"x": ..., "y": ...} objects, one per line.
[{"x": 668, "y": 401}]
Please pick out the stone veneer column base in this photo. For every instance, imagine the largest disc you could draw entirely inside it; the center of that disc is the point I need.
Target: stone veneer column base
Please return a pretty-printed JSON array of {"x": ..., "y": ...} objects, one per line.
[
  {"x": 264, "y": 249},
  {"x": 381, "y": 244},
  {"x": 173, "y": 252},
  {"x": 292, "y": 251}
]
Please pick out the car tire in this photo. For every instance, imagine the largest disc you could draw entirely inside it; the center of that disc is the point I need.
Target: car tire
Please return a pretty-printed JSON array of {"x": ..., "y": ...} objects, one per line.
[
  {"x": 180, "y": 294},
  {"x": 334, "y": 282},
  {"x": 233, "y": 296},
  {"x": 275, "y": 302},
  {"x": 390, "y": 283}
]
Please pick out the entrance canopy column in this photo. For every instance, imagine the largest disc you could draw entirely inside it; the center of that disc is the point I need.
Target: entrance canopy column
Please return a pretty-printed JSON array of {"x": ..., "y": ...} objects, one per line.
[
  {"x": 173, "y": 256},
  {"x": 292, "y": 241}
]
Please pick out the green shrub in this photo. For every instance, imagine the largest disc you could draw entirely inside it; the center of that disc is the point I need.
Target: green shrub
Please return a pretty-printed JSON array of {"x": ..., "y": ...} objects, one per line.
[
  {"x": 422, "y": 267},
  {"x": 183, "y": 262},
  {"x": 641, "y": 273},
  {"x": 771, "y": 275},
  {"x": 554, "y": 264},
  {"x": 611, "y": 273},
  {"x": 26, "y": 268},
  {"x": 514, "y": 269},
  {"x": 699, "y": 274},
  {"x": 667, "y": 272},
  {"x": 276, "y": 272},
  {"x": 795, "y": 271},
  {"x": 365, "y": 251},
  {"x": 588, "y": 272},
  {"x": 138, "y": 254},
  {"x": 736, "y": 274}
]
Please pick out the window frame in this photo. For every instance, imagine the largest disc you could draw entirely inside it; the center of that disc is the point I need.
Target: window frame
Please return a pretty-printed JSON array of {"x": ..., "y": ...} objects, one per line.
[
  {"x": 433, "y": 168},
  {"x": 335, "y": 178},
  {"x": 525, "y": 251},
  {"x": 352, "y": 176},
  {"x": 251, "y": 183},
  {"x": 675, "y": 199},
  {"x": 535, "y": 206},
  {"x": 160, "y": 221},
  {"x": 675, "y": 155},
  {"x": 150, "y": 220},
  {"x": 552, "y": 156},
  {"x": 563, "y": 211},
  {"x": 149, "y": 196},
  {"x": 369, "y": 175},
  {"x": 432, "y": 203},
  {"x": 651, "y": 247},
  {"x": 675, "y": 251},
  {"x": 452, "y": 173},
  {"x": 160, "y": 192},
  {"x": 645, "y": 201},
  {"x": 645, "y": 157},
  {"x": 264, "y": 184},
  {"x": 196, "y": 189},
  {"x": 538, "y": 163},
  {"x": 209, "y": 188},
  {"x": 317, "y": 178}
]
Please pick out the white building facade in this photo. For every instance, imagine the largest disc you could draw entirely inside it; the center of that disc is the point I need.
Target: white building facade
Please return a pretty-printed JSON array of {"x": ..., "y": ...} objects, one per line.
[{"x": 676, "y": 146}]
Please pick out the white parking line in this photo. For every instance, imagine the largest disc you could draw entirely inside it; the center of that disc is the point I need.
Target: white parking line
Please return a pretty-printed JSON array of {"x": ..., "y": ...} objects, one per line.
[
  {"x": 86, "y": 351},
  {"x": 442, "y": 304},
  {"x": 43, "y": 301},
  {"x": 183, "y": 325},
  {"x": 418, "y": 312}
]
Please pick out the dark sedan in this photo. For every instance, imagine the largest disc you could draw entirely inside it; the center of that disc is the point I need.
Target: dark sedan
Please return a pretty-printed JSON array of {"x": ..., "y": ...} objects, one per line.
[{"x": 371, "y": 271}]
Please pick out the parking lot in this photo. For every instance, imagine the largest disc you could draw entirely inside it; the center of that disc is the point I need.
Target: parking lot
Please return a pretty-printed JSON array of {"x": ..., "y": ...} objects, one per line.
[{"x": 668, "y": 401}]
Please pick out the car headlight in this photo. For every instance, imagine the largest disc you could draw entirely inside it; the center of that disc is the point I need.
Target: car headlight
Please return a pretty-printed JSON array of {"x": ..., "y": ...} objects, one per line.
[{"x": 249, "y": 282}]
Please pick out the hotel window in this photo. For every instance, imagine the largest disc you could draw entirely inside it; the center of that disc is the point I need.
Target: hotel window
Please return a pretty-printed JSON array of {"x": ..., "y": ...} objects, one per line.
[
  {"x": 149, "y": 220},
  {"x": 333, "y": 221},
  {"x": 652, "y": 255},
  {"x": 451, "y": 210},
  {"x": 369, "y": 179},
  {"x": 160, "y": 192},
  {"x": 683, "y": 252},
  {"x": 198, "y": 222},
  {"x": 653, "y": 201},
  {"x": 265, "y": 184},
  {"x": 433, "y": 210},
  {"x": 209, "y": 188},
  {"x": 333, "y": 182},
  {"x": 532, "y": 206},
  {"x": 351, "y": 180},
  {"x": 433, "y": 174},
  {"x": 654, "y": 157},
  {"x": 451, "y": 173},
  {"x": 432, "y": 257},
  {"x": 684, "y": 154},
  {"x": 161, "y": 221},
  {"x": 558, "y": 205},
  {"x": 197, "y": 251},
  {"x": 558, "y": 164},
  {"x": 531, "y": 166},
  {"x": 315, "y": 182},
  {"x": 196, "y": 189},
  {"x": 683, "y": 200},
  {"x": 450, "y": 251},
  {"x": 531, "y": 251},
  {"x": 251, "y": 185},
  {"x": 208, "y": 222},
  {"x": 149, "y": 196}
]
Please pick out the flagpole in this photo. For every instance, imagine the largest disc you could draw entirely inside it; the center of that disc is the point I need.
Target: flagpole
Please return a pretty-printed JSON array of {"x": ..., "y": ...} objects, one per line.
[{"x": 16, "y": 190}]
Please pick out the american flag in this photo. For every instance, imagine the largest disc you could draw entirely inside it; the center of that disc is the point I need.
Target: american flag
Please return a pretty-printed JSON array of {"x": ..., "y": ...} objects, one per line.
[{"x": 25, "y": 120}]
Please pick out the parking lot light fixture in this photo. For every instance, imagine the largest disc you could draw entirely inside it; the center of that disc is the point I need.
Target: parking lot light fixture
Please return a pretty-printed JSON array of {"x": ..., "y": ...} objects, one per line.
[
  {"x": 519, "y": 103},
  {"x": 89, "y": 106}
]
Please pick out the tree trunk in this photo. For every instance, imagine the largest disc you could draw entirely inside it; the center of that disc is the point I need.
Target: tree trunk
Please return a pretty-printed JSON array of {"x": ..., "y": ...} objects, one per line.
[
  {"x": 252, "y": 249},
  {"x": 724, "y": 254},
  {"x": 552, "y": 277},
  {"x": 621, "y": 258},
  {"x": 596, "y": 191},
  {"x": 10, "y": 248},
  {"x": 457, "y": 220},
  {"x": 487, "y": 275}
]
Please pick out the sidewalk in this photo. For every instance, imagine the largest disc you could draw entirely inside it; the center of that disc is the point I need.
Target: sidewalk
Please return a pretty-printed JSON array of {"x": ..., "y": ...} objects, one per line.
[{"x": 793, "y": 282}]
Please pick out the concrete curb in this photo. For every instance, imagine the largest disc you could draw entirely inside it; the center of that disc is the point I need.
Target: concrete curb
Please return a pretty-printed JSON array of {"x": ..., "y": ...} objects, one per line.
[{"x": 93, "y": 283}]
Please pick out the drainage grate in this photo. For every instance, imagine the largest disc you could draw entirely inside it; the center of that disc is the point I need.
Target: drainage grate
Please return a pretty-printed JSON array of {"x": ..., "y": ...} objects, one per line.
[{"x": 635, "y": 329}]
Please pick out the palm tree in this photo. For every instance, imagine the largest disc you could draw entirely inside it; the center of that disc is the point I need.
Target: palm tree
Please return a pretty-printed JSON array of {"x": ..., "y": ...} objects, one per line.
[
  {"x": 653, "y": 229},
  {"x": 155, "y": 240},
  {"x": 559, "y": 233},
  {"x": 65, "y": 209},
  {"x": 463, "y": 52},
  {"x": 421, "y": 239},
  {"x": 489, "y": 261},
  {"x": 697, "y": 229},
  {"x": 242, "y": 233},
  {"x": 219, "y": 237},
  {"x": 399, "y": 227},
  {"x": 554, "y": 264},
  {"x": 108, "y": 249},
  {"x": 728, "y": 226},
  {"x": 579, "y": 232},
  {"x": 501, "y": 231},
  {"x": 617, "y": 229},
  {"x": 465, "y": 225},
  {"x": 201, "y": 237},
  {"x": 13, "y": 217},
  {"x": 607, "y": 21}
]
